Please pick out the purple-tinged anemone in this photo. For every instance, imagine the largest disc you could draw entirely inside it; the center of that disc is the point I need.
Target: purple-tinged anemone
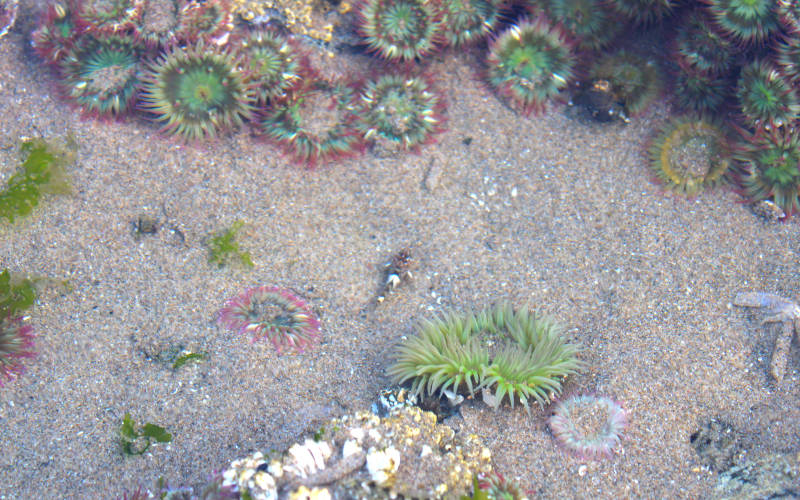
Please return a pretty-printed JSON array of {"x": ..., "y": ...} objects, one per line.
[
  {"x": 315, "y": 124},
  {"x": 274, "y": 314},
  {"x": 589, "y": 426},
  {"x": 400, "y": 29},
  {"x": 530, "y": 63},
  {"x": 56, "y": 33},
  {"x": 16, "y": 343},
  {"x": 744, "y": 21},
  {"x": 196, "y": 92},
  {"x": 769, "y": 162},
  {"x": 100, "y": 74}
]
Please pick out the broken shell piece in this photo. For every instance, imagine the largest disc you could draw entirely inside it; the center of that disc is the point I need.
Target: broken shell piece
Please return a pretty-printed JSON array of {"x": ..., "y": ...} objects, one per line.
[
  {"x": 351, "y": 447},
  {"x": 308, "y": 458},
  {"x": 246, "y": 475},
  {"x": 382, "y": 466}
]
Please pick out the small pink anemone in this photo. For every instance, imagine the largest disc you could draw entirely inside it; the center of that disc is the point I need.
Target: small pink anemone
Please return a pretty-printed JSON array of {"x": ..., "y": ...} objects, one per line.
[
  {"x": 272, "y": 313},
  {"x": 589, "y": 426}
]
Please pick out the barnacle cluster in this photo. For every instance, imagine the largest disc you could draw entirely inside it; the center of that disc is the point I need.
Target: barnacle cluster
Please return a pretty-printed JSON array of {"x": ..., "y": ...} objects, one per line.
[
  {"x": 406, "y": 454},
  {"x": 303, "y": 17}
]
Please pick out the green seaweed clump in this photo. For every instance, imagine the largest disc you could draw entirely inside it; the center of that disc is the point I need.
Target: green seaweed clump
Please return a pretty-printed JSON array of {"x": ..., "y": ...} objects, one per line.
[
  {"x": 135, "y": 440},
  {"x": 223, "y": 248},
  {"x": 16, "y": 295},
  {"x": 42, "y": 173}
]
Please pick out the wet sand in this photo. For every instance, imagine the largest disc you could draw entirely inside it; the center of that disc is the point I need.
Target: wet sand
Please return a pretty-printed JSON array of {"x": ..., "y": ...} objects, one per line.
[{"x": 549, "y": 210}]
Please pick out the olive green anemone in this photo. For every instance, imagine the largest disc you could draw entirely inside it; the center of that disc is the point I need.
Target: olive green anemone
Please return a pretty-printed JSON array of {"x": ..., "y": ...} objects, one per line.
[
  {"x": 197, "y": 92},
  {"x": 519, "y": 354}
]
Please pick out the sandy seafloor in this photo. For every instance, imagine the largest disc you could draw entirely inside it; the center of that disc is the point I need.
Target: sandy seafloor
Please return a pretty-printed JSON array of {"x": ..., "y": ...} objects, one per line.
[{"x": 551, "y": 210}]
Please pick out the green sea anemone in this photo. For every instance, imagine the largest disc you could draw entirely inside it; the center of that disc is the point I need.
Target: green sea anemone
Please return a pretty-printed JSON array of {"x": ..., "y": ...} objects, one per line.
[
  {"x": 400, "y": 29},
  {"x": 690, "y": 154},
  {"x": 314, "y": 125},
  {"x": 100, "y": 74},
  {"x": 530, "y": 62},
  {"x": 635, "y": 80},
  {"x": 745, "y": 21},
  {"x": 591, "y": 22},
  {"x": 468, "y": 21},
  {"x": 404, "y": 110},
  {"x": 770, "y": 166},
  {"x": 699, "y": 47},
  {"x": 765, "y": 97},
  {"x": 644, "y": 11},
  {"x": 196, "y": 92},
  {"x": 516, "y": 354},
  {"x": 272, "y": 64}
]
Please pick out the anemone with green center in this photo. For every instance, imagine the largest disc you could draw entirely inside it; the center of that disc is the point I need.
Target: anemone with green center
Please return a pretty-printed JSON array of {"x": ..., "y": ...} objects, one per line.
[
  {"x": 400, "y": 30},
  {"x": 530, "y": 63},
  {"x": 196, "y": 92},
  {"x": 403, "y": 110},
  {"x": 744, "y": 21},
  {"x": 100, "y": 74},
  {"x": 273, "y": 65},
  {"x": 770, "y": 166},
  {"x": 468, "y": 21},
  {"x": 765, "y": 97}
]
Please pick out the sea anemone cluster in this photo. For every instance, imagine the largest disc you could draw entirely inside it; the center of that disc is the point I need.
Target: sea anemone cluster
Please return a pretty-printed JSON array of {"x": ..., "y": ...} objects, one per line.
[
  {"x": 274, "y": 314},
  {"x": 588, "y": 426},
  {"x": 504, "y": 353}
]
